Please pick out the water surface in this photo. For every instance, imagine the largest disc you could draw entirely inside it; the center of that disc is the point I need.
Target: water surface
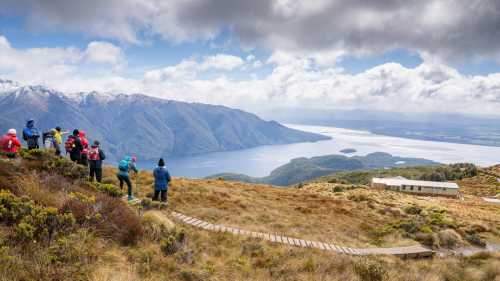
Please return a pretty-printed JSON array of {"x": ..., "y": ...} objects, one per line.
[{"x": 260, "y": 161}]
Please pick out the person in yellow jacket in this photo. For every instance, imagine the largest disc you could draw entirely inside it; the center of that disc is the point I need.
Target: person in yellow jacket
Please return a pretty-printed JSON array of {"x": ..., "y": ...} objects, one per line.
[{"x": 58, "y": 135}]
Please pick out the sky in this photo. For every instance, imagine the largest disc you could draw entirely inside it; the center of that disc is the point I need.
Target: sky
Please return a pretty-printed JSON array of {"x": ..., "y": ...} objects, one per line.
[{"x": 390, "y": 55}]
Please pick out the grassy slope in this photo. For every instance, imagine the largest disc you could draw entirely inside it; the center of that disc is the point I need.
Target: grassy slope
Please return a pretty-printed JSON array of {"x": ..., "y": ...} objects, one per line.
[{"x": 312, "y": 211}]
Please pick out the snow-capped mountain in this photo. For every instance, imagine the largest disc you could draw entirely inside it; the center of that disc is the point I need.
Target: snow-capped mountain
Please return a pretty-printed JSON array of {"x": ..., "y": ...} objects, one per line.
[{"x": 146, "y": 126}]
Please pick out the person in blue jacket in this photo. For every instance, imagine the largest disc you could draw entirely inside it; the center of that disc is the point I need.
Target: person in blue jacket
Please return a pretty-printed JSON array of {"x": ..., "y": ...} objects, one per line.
[
  {"x": 162, "y": 179},
  {"x": 31, "y": 134}
]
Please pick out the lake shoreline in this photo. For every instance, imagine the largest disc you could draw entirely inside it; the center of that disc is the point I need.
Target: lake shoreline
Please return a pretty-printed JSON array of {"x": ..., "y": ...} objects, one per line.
[{"x": 261, "y": 160}]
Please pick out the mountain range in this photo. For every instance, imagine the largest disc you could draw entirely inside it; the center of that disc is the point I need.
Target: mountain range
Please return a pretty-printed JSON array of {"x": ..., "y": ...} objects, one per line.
[
  {"x": 303, "y": 169},
  {"x": 145, "y": 126}
]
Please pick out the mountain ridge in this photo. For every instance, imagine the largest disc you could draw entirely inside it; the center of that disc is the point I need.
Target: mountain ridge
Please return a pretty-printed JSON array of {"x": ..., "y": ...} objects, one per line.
[
  {"x": 121, "y": 123},
  {"x": 303, "y": 169}
]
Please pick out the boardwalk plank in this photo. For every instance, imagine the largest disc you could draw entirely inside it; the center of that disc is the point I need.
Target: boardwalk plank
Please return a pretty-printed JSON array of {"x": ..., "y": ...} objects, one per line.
[{"x": 402, "y": 251}]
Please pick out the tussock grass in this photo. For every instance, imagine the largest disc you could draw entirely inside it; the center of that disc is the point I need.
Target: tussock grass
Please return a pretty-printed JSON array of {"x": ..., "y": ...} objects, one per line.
[{"x": 99, "y": 246}]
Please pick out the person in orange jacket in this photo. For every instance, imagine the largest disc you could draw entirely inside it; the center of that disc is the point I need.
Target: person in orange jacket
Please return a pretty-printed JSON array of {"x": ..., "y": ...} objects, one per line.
[{"x": 10, "y": 144}]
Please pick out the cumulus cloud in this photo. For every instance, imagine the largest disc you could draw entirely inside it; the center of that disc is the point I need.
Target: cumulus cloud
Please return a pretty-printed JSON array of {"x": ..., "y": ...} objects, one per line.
[
  {"x": 57, "y": 64},
  {"x": 449, "y": 29},
  {"x": 104, "y": 52},
  {"x": 222, "y": 61},
  {"x": 293, "y": 81},
  {"x": 426, "y": 88}
]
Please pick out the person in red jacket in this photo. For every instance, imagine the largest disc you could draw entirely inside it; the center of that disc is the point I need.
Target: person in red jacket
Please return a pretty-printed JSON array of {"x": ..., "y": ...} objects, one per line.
[
  {"x": 84, "y": 159},
  {"x": 10, "y": 144}
]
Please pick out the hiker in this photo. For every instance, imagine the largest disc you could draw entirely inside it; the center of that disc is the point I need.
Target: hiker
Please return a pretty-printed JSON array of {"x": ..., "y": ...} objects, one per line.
[
  {"x": 96, "y": 156},
  {"x": 162, "y": 179},
  {"x": 48, "y": 139},
  {"x": 85, "y": 143},
  {"x": 31, "y": 134},
  {"x": 125, "y": 165},
  {"x": 58, "y": 134},
  {"x": 74, "y": 147},
  {"x": 10, "y": 144}
]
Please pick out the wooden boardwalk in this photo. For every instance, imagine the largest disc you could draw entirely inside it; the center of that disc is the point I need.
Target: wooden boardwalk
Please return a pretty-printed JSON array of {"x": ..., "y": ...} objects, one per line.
[{"x": 410, "y": 251}]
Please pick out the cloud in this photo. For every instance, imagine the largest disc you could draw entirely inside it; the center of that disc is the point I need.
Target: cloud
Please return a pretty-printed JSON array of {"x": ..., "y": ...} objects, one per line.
[
  {"x": 300, "y": 83},
  {"x": 104, "y": 52},
  {"x": 58, "y": 64},
  {"x": 450, "y": 29},
  {"x": 222, "y": 61},
  {"x": 291, "y": 81}
]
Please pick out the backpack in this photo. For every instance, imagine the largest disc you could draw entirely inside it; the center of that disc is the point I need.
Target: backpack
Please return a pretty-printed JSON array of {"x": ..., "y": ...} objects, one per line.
[
  {"x": 94, "y": 154},
  {"x": 123, "y": 165},
  {"x": 69, "y": 144},
  {"x": 25, "y": 137},
  {"x": 6, "y": 144}
]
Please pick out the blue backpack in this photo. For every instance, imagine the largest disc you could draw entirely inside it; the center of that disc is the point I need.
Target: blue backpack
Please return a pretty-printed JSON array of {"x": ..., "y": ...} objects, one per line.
[{"x": 123, "y": 165}]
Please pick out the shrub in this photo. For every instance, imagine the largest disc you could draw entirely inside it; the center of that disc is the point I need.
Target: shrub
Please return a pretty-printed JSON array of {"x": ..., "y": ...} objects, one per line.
[
  {"x": 412, "y": 209},
  {"x": 252, "y": 248},
  {"x": 369, "y": 270},
  {"x": 474, "y": 239},
  {"x": 173, "y": 242},
  {"x": 428, "y": 239},
  {"x": 449, "y": 238},
  {"x": 359, "y": 197},
  {"x": 118, "y": 221},
  {"x": 156, "y": 225},
  {"x": 426, "y": 229},
  {"x": 13, "y": 208},
  {"x": 378, "y": 233},
  {"x": 109, "y": 189},
  {"x": 43, "y": 224},
  {"x": 309, "y": 265},
  {"x": 32, "y": 222},
  {"x": 338, "y": 189},
  {"x": 409, "y": 226},
  {"x": 111, "y": 217}
]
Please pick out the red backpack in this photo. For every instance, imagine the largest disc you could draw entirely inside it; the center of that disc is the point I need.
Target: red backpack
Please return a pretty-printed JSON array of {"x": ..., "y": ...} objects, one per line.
[
  {"x": 94, "y": 154},
  {"x": 69, "y": 144}
]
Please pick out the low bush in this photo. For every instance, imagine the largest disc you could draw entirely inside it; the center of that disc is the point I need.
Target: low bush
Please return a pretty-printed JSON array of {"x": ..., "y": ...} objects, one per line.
[
  {"x": 378, "y": 233},
  {"x": 338, "y": 189},
  {"x": 475, "y": 240},
  {"x": 109, "y": 189},
  {"x": 370, "y": 270},
  {"x": 32, "y": 222},
  {"x": 449, "y": 238},
  {"x": 118, "y": 221},
  {"x": 252, "y": 248},
  {"x": 173, "y": 242},
  {"x": 428, "y": 239},
  {"x": 412, "y": 209},
  {"x": 110, "y": 217},
  {"x": 156, "y": 225}
]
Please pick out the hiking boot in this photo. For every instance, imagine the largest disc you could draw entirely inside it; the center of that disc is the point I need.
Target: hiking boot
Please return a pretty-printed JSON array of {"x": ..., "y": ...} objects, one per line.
[{"x": 130, "y": 198}]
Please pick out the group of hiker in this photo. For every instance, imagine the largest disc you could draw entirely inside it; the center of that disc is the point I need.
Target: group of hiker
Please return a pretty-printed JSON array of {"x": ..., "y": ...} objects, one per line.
[{"x": 79, "y": 151}]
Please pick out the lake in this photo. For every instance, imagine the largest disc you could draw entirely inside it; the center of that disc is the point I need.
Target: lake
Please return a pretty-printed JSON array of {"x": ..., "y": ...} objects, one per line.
[{"x": 260, "y": 161}]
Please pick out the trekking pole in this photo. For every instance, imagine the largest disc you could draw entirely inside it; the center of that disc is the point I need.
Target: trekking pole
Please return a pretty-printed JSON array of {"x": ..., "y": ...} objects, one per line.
[{"x": 136, "y": 183}]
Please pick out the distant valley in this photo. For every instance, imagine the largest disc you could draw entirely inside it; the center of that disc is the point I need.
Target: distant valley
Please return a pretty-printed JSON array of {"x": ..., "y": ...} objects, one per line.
[
  {"x": 303, "y": 169},
  {"x": 453, "y": 128}
]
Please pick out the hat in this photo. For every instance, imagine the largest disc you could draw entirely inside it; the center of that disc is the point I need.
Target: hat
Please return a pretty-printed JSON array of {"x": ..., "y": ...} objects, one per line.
[
  {"x": 96, "y": 143},
  {"x": 161, "y": 163},
  {"x": 58, "y": 129},
  {"x": 12, "y": 132},
  {"x": 76, "y": 132},
  {"x": 134, "y": 159}
]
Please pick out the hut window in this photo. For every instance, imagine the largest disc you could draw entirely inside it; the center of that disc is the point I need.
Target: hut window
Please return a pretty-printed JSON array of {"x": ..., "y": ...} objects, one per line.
[
  {"x": 444, "y": 189},
  {"x": 419, "y": 188},
  {"x": 411, "y": 187}
]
